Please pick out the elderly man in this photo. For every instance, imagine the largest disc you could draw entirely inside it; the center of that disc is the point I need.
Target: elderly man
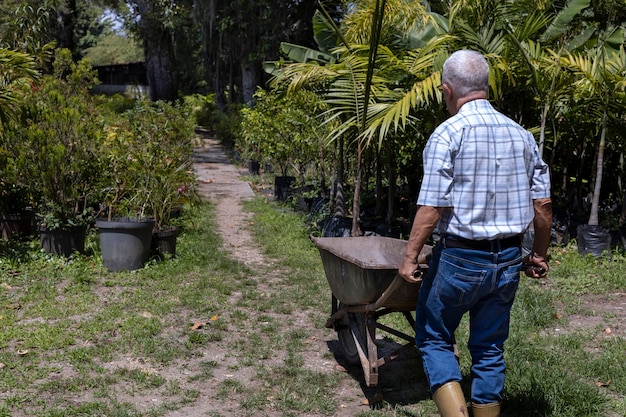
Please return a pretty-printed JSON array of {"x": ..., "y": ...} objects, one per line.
[{"x": 484, "y": 185}]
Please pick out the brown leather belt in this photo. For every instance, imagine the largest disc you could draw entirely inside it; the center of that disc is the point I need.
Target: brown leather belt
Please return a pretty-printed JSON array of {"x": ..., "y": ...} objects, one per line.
[{"x": 494, "y": 245}]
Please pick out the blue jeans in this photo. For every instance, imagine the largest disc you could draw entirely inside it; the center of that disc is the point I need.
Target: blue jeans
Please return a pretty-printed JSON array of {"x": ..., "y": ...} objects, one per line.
[{"x": 459, "y": 281}]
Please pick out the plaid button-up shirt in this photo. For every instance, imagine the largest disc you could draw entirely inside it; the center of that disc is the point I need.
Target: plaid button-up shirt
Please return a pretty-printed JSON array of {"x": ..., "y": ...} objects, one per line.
[{"x": 486, "y": 170}]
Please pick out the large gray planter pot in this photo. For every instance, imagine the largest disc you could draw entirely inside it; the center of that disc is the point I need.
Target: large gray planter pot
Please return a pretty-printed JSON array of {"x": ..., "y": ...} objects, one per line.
[{"x": 125, "y": 243}]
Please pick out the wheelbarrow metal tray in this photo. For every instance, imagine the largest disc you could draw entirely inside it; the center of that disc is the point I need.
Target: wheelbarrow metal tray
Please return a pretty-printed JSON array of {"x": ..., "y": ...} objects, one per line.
[{"x": 360, "y": 269}]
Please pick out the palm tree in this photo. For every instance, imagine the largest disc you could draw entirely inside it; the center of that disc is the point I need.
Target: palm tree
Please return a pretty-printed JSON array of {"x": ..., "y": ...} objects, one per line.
[
  {"x": 376, "y": 84},
  {"x": 601, "y": 87},
  {"x": 547, "y": 80},
  {"x": 17, "y": 71}
]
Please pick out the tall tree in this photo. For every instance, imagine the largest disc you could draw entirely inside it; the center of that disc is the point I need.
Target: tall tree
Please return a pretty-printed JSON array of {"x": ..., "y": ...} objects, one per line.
[
  {"x": 239, "y": 35},
  {"x": 152, "y": 25},
  {"x": 376, "y": 84}
]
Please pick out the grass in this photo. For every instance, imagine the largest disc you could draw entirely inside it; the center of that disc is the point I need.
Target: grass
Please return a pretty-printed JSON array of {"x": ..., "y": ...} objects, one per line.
[{"x": 77, "y": 340}]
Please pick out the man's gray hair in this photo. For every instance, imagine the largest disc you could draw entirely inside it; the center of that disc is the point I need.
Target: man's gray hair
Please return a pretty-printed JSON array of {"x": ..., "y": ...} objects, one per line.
[{"x": 466, "y": 71}]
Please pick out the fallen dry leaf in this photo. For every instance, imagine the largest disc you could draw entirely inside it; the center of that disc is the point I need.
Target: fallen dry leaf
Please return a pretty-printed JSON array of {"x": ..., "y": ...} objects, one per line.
[
  {"x": 198, "y": 325},
  {"x": 603, "y": 384},
  {"x": 215, "y": 317},
  {"x": 339, "y": 368}
]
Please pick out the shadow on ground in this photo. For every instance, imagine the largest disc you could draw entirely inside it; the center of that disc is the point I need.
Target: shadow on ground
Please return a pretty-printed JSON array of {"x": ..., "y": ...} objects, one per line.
[{"x": 400, "y": 381}]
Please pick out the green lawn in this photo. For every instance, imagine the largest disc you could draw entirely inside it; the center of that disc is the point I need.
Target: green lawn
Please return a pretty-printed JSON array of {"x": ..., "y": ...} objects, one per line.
[{"x": 77, "y": 340}]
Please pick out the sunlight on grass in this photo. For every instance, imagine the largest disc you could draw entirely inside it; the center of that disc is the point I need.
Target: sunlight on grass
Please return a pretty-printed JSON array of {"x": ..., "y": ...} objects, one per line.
[{"x": 70, "y": 326}]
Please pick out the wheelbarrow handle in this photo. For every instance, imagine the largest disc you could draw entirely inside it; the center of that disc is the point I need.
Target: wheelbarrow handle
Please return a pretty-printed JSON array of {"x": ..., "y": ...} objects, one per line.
[
  {"x": 539, "y": 270},
  {"x": 423, "y": 258}
]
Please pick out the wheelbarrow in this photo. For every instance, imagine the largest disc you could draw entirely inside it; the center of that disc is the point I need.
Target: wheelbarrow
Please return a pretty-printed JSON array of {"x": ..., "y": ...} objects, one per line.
[{"x": 363, "y": 276}]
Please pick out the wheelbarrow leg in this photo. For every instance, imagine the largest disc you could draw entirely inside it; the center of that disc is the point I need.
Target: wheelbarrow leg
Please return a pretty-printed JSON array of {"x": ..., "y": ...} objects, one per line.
[
  {"x": 369, "y": 359},
  {"x": 371, "y": 378}
]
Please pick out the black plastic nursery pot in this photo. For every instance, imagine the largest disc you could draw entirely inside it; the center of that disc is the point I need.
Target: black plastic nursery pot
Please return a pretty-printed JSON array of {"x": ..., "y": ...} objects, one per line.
[
  {"x": 125, "y": 243},
  {"x": 282, "y": 187},
  {"x": 63, "y": 242},
  {"x": 16, "y": 225},
  {"x": 164, "y": 242},
  {"x": 254, "y": 167},
  {"x": 593, "y": 240}
]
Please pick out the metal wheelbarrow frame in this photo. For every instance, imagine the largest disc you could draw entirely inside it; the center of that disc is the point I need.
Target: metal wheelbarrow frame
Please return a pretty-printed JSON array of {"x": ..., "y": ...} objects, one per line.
[{"x": 362, "y": 274}]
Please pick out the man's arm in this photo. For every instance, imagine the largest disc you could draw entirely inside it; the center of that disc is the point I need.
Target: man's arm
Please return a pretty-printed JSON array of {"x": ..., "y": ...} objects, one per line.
[
  {"x": 426, "y": 220},
  {"x": 542, "y": 224}
]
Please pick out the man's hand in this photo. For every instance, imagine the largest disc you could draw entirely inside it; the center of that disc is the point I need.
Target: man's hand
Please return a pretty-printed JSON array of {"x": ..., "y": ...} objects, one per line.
[
  {"x": 424, "y": 223},
  {"x": 535, "y": 266},
  {"x": 410, "y": 271}
]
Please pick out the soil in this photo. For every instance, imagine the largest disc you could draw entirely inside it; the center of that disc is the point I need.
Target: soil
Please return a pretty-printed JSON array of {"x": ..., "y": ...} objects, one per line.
[{"x": 221, "y": 182}]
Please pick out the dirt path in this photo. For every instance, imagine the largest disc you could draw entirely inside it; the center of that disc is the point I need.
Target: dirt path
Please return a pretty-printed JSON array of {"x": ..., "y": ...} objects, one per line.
[{"x": 220, "y": 181}]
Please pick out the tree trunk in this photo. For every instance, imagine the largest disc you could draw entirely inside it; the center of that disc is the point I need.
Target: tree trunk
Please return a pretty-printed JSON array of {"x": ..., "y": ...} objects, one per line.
[
  {"x": 595, "y": 202},
  {"x": 322, "y": 168},
  {"x": 248, "y": 81},
  {"x": 159, "y": 60},
  {"x": 339, "y": 203},
  {"x": 391, "y": 193},
  {"x": 379, "y": 184},
  {"x": 66, "y": 23},
  {"x": 211, "y": 48},
  {"x": 542, "y": 134},
  {"x": 356, "y": 203},
  {"x": 159, "y": 52}
]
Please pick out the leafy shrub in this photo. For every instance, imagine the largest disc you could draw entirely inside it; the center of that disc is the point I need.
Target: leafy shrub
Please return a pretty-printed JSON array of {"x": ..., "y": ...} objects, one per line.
[
  {"x": 284, "y": 130},
  {"x": 53, "y": 144},
  {"x": 147, "y": 151}
]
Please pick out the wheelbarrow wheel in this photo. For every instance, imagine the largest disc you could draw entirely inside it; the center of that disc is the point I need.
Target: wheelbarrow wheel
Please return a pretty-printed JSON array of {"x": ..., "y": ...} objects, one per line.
[{"x": 346, "y": 340}]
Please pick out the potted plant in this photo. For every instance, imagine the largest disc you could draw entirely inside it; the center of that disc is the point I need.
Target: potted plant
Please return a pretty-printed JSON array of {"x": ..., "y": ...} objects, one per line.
[
  {"x": 52, "y": 144},
  {"x": 123, "y": 226},
  {"x": 168, "y": 195},
  {"x": 284, "y": 130},
  {"x": 148, "y": 153},
  {"x": 16, "y": 75},
  {"x": 167, "y": 134}
]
